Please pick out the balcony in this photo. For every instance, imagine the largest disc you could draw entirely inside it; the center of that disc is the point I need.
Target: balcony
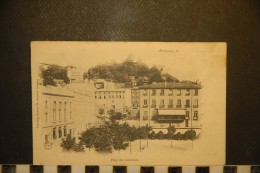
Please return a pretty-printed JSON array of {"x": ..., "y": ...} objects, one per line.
[
  {"x": 187, "y": 117},
  {"x": 161, "y": 106},
  {"x": 178, "y": 106},
  {"x": 170, "y": 94},
  {"x": 145, "y": 106},
  {"x": 153, "y": 106},
  {"x": 187, "y": 94},
  {"x": 187, "y": 106},
  {"x": 170, "y": 106},
  {"x": 195, "y": 106}
]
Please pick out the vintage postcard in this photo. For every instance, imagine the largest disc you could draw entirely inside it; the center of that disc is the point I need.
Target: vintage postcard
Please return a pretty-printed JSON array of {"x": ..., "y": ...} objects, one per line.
[{"x": 128, "y": 103}]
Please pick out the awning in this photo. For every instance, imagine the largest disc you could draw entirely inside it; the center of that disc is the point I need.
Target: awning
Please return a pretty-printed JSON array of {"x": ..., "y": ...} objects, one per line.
[
  {"x": 171, "y": 115},
  {"x": 171, "y": 112}
]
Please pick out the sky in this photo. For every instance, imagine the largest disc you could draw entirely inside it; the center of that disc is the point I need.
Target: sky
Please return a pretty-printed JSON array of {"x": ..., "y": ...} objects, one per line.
[{"x": 183, "y": 60}]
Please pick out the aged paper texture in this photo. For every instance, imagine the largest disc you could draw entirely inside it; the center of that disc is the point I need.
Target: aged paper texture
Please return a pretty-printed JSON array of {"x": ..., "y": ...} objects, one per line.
[{"x": 128, "y": 103}]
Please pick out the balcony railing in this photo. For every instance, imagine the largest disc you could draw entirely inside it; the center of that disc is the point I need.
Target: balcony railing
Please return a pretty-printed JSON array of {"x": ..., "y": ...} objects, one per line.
[
  {"x": 170, "y": 94},
  {"x": 161, "y": 106},
  {"x": 195, "y": 106},
  {"x": 145, "y": 106},
  {"x": 153, "y": 106},
  {"x": 187, "y": 106},
  {"x": 178, "y": 106},
  {"x": 170, "y": 106}
]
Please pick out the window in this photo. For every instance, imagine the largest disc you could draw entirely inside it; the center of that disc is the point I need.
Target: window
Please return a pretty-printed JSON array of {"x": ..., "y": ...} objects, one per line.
[
  {"x": 195, "y": 117},
  {"x": 59, "y": 111},
  {"x": 153, "y": 103},
  {"x": 187, "y": 104},
  {"x": 162, "y": 103},
  {"x": 46, "y": 111},
  {"x": 54, "y": 111},
  {"x": 179, "y": 92},
  {"x": 196, "y": 92},
  {"x": 162, "y": 92},
  {"x": 99, "y": 97},
  {"x": 46, "y": 139},
  {"x": 153, "y": 92},
  {"x": 170, "y": 103},
  {"x": 104, "y": 97},
  {"x": 187, "y": 92},
  {"x": 54, "y": 133},
  {"x": 145, "y": 93},
  {"x": 60, "y": 132},
  {"x": 65, "y": 130},
  {"x": 178, "y": 103},
  {"x": 145, "y": 117},
  {"x": 187, "y": 114},
  {"x": 196, "y": 103},
  {"x": 65, "y": 111},
  {"x": 145, "y": 102},
  {"x": 170, "y": 92}
]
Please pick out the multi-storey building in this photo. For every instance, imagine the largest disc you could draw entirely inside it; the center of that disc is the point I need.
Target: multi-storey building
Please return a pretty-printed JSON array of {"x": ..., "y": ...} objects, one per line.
[
  {"x": 109, "y": 95},
  {"x": 111, "y": 99},
  {"x": 55, "y": 115},
  {"x": 170, "y": 103},
  {"x": 63, "y": 110},
  {"x": 135, "y": 101}
]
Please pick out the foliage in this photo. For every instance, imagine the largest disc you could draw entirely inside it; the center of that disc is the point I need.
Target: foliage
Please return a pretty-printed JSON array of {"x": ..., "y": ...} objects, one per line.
[
  {"x": 115, "y": 115},
  {"x": 121, "y": 72},
  {"x": 88, "y": 137},
  {"x": 54, "y": 72},
  {"x": 160, "y": 135},
  {"x": 152, "y": 135},
  {"x": 68, "y": 143},
  {"x": 170, "y": 133},
  {"x": 177, "y": 136},
  {"x": 78, "y": 147},
  {"x": 189, "y": 134}
]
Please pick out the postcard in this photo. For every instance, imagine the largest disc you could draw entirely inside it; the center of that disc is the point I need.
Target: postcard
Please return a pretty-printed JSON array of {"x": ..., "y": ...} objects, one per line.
[{"x": 128, "y": 103}]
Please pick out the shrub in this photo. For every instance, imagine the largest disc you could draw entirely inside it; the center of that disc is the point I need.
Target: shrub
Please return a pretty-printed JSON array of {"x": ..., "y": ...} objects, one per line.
[
  {"x": 160, "y": 135},
  {"x": 189, "y": 134},
  {"x": 152, "y": 135},
  {"x": 177, "y": 136}
]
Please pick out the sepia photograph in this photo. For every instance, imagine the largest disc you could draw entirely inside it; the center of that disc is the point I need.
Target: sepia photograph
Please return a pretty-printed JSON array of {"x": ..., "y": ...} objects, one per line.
[{"x": 128, "y": 103}]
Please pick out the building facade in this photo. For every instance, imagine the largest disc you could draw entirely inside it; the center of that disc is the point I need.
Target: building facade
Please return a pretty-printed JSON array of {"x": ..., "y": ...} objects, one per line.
[
  {"x": 172, "y": 103},
  {"x": 63, "y": 111}
]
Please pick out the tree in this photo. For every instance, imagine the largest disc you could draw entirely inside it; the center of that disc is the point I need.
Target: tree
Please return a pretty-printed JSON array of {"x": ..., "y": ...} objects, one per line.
[
  {"x": 103, "y": 140},
  {"x": 170, "y": 134},
  {"x": 54, "y": 72},
  {"x": 115, "y": 115},
  {"x": 143, "y": 133},
  {"x": 68, "y": 143},
  {"x": 88, "y": 138}
]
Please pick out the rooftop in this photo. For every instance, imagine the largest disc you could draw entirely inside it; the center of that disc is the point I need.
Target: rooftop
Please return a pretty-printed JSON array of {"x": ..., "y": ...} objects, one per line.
[{"x": 173, "y": 85}]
